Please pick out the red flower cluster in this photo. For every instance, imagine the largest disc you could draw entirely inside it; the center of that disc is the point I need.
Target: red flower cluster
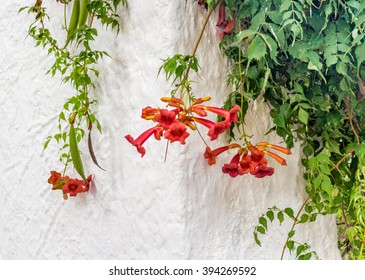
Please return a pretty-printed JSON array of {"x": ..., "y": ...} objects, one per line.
[
  {"x": 68, "y": 185},
  {"x": 248, "y": 161},
  {"x": 173, "y": 124}
]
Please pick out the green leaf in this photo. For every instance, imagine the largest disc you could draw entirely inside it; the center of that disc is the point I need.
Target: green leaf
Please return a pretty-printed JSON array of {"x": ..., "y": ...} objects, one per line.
[
  {"x": 289, "y": 212},
  {"x": 303, "y": 219},
  {"x": 261, "y": 230},
  {"x": 280, "y": 216},
  {"x": 243, "y": 35},
  {"x": 341, "y": 68},
  {"x": 327, "y": 185},
  {"x": 290, "y": 245},
  {"x": 300, "y": 249},
  {"x": 270, "y": 215},
  {"x": 263, "y": 222},
  {"x": 257, "y": 240},
  {"x": 257, "y": 49},
  {"x": 291, "y": 233},
  {"x": 360, "y": 55},
  {"x": 303, "y": 116}
]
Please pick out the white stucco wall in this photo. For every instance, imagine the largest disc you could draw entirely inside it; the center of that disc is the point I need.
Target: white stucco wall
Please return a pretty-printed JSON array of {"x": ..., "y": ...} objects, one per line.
[{"x": 139, "y": 208}]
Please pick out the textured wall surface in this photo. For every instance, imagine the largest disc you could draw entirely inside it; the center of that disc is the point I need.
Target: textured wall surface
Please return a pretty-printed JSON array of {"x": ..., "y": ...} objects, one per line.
[{"x": 140, "y": 208}]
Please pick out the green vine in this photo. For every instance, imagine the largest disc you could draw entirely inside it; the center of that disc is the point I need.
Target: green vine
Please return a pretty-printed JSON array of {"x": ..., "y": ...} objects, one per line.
[{"x": 75, "y": 61}]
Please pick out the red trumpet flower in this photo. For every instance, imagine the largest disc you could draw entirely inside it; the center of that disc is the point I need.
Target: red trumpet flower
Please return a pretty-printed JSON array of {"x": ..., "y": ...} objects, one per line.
[
  {"x": 157, "y": 131},
  {"x": 176, "y": 132},
  {"x": 233, "y": 169}
]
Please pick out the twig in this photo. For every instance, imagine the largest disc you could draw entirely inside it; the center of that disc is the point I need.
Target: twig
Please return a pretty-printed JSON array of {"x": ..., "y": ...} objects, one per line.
[
  {"x": 342, "y": 159},
  {"x": 348, "y": 108},
  {"x": 293, "y": 226}
]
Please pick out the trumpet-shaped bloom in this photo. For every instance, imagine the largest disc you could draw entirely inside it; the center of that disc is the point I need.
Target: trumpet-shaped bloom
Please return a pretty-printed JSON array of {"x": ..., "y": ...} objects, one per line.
[
  {"x": 215, "y": 128},
  {"x": 279, "y": 159},
  {"x": 228, "y": 28},
  {"x": 262, "y": 170},
  {"x": 222, "y": 22},
  {"x": 156, "y": 130},
  {"x": 257, "y": 156},
  {"x": 73, "y": 187},
  {"x": 233, "y": 169},
  {"x": 176, "y": 132},
  {"x": 211, "y": 155},
  {"x": 275, "y": 147},
  {"x": 246, "y": 164},
  {"x": 55, "y": 177},
  {"x": 149, "y": 113},
  {"x": 166, "y": 118},
  {"x": 229, "y": 116}
]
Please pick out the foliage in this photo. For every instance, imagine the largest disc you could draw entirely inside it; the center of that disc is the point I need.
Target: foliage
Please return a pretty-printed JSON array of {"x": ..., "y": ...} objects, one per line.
[{"x": 305, "y": 59}]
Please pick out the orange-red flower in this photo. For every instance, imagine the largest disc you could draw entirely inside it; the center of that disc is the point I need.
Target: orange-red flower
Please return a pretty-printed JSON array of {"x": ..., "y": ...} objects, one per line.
[
  {"x": 275, "y": 147},
  {"x": 156, "y": 130},
  {"x": 228, "y": 28},
  {"x": 262, "y": 170},
  {"x": 166, "y": 118},
  {"x": 55, "y": 177},
  {"x": 279, "y": 159},
  {"x": 73, "y": 187},
  {"x": 57, "y": 181},
  {"x": 257, "y": 156},
  {"x": 149, "y": 113},
  {"x": 221, "y": 17},
  {"x": 246, "y": 164},
  {"x": 229, "y": 116},
  {"x": 215, "y": 128},
  {"x": 176, "y": 132},
  {"x": 68, "y": 185},
  {"x": 211, "y": 155},
  {"x": 233, "y": 169}
]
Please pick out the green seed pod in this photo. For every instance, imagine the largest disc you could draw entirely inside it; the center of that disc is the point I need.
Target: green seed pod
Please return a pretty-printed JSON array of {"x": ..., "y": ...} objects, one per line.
[
  {"x": 75, "y": 153},
  {"x": 83, "y": 12},
  {"x": 74, "y": 20}
]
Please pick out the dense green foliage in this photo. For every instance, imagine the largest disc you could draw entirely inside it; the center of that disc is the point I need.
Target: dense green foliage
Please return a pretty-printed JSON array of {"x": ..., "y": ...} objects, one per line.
[{"x": 305, "y": 59}]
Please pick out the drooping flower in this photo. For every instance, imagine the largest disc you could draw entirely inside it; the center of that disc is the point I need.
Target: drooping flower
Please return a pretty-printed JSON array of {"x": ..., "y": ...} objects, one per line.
[
  {"x": 57, "y": 181},
  {"x": 257, "y": 156},
  {"x": 55, "y": 177},
  {"x": 262, "y": 170},
  {"x": 201, "y": 100},
  {"x": 279, "y": 159},
  {"x": 233, "y": 169},
  {"x": 228, "y": 28},
  {"x": 221, "y": 17},
  {"x": 156, "y": 130},
  {"x": 211, "y": 155},
  {"x": 215, "y": 128},
  {"x": 176, "y": 132},
  {"x": 229, "y": 116},
  {"x": 149, "y": 113},
  {"x": 73, "y": 187},
  {"x": 166, "y": 118},
  {"x": 275, "y": 147},
  {"x": 246, "y": 164}
]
